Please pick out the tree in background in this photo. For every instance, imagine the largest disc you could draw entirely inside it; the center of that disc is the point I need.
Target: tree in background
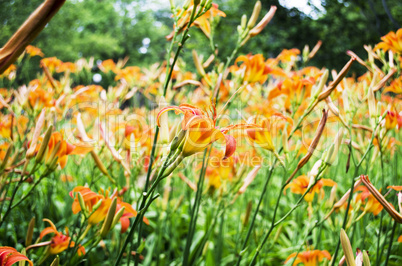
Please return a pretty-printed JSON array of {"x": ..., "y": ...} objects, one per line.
[{"x": 118, "y": 28}]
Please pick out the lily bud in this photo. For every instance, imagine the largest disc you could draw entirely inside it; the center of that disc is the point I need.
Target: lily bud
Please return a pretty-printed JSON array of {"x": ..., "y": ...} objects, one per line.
[
  {"x": 101, "y": 166},
  {"x": 56, "y": 261},
  {"x": 186, "y": 4},
  {"x": 82, "y": 204},
  {"x": 109, "y": 218},
  {"x": 366, "y": 260},
  {"x": 198, "y": 64},
  {"x": 321, "y": 84},
  {"x": 315, "y": 50},
  {"x": 249, "y": 178},
  {"x": 178, "y": 140},
  {"x": 264, "y": 22},
  {"x": 50, "y": 159},
  {"x": 38, "y": 128},
  {"x": 44, "y": 145},
  {"x": 31, "y": 226},
  {"x": 331, "y": 87},
  {"x": 372, "y": 105},
  {"x": 243, "y": 22},
  {"x": 163, "y": 121},
  {"x": 28, "y": 31},
  {"x": 6, "y": 157},
  {"x": 117, "y": 217},
  {"x": 333, "y": 150},
  {"x": 254, "y": 15},
  {"x": 347, "y": 249},
  {"x": 97, "y": 205}
]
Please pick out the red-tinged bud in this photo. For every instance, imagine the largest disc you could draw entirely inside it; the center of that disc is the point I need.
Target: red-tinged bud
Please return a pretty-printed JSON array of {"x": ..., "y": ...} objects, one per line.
[{"x": 230, "y": 146}]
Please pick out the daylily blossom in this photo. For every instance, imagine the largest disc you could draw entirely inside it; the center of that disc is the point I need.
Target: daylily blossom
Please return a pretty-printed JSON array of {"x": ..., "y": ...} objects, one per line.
[
  {"x": 59, "y": 241},
  {"x": 91, "y": 199},
  {"x": 392, "y": 41},
  {"x": 9, "y": 256},
  {"x": 256, "y": 69},
  {"x": 201, "y": 131},
  {"x": 309, "y": 257},
  {"x": 301, "y": 183},
  {"x": 34, "y": 51},
  {"x": 52, "y": 63},
  {"x": 371, "y": 204}
]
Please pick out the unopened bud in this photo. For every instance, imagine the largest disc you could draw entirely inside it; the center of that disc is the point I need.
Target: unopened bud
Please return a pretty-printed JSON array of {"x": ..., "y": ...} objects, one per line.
[
  {"x": 334, "y": 148},
  {"x": 81, "y": 201},
  {"x": 6, "y": 157},
  {"x": 177, "y": 141},
  {"x": 263, "y": 23},
  {"x": 243, "y": 22},
  {"x": 372, "y": 105},
  {"x": 117, "y": 217},
  {"x": 198, "y": 64},
  {"x": 31, "y": 226},
  {"x": 43, "y": 146},
  {"x": 163, "y": 122},
  {"x": 347, "y": 249},
  {"x": 53, "y": 154},
  {"x": 254, "y": 15},
  {"x": 109, "y": 218},
  {"x": 101, "y": 166},
  {"x": 38, "y": 128},
  {"x": 56, "y": 261}
]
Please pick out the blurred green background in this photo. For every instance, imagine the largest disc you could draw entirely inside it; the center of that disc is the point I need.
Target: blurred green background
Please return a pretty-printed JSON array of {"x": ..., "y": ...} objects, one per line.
[{"x": 116, "y": 28}]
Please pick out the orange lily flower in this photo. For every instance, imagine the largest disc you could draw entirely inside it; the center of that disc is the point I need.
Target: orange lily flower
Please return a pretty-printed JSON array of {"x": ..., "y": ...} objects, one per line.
[
  {"x": 9, "y": 256},
  {"x": 219, "y": 169},
  {"x": 372, "y": 204},
  {"x": 256, "y": 69},
  {"x": 129, "y": 74},
  {"x": 262, "y": 135},
  {"x": 39, "y": 98},
  {"x": 201, "y": 130},
  {"x": 33, "y": 51},
  {"x": 288, "y": 55},
  {"x": 392, "y": 41},
  {"x": 64, "y": 66},
  {"x": 59, "y": 242},
  {"x": 391, "y": 119},
  {"x": 294, "y": 88},
  {"x": 309, "y": 257},
  {"x": 300, "y": 185},
  {"x": 108, "y": 65},
  {"x": 395, "y": 86},
  {"x": 52, "y": 63},
  {"x": 65, "y": 148},
  {"x": 9, "y": 73},
  {"x": 91, "y": 199}
]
